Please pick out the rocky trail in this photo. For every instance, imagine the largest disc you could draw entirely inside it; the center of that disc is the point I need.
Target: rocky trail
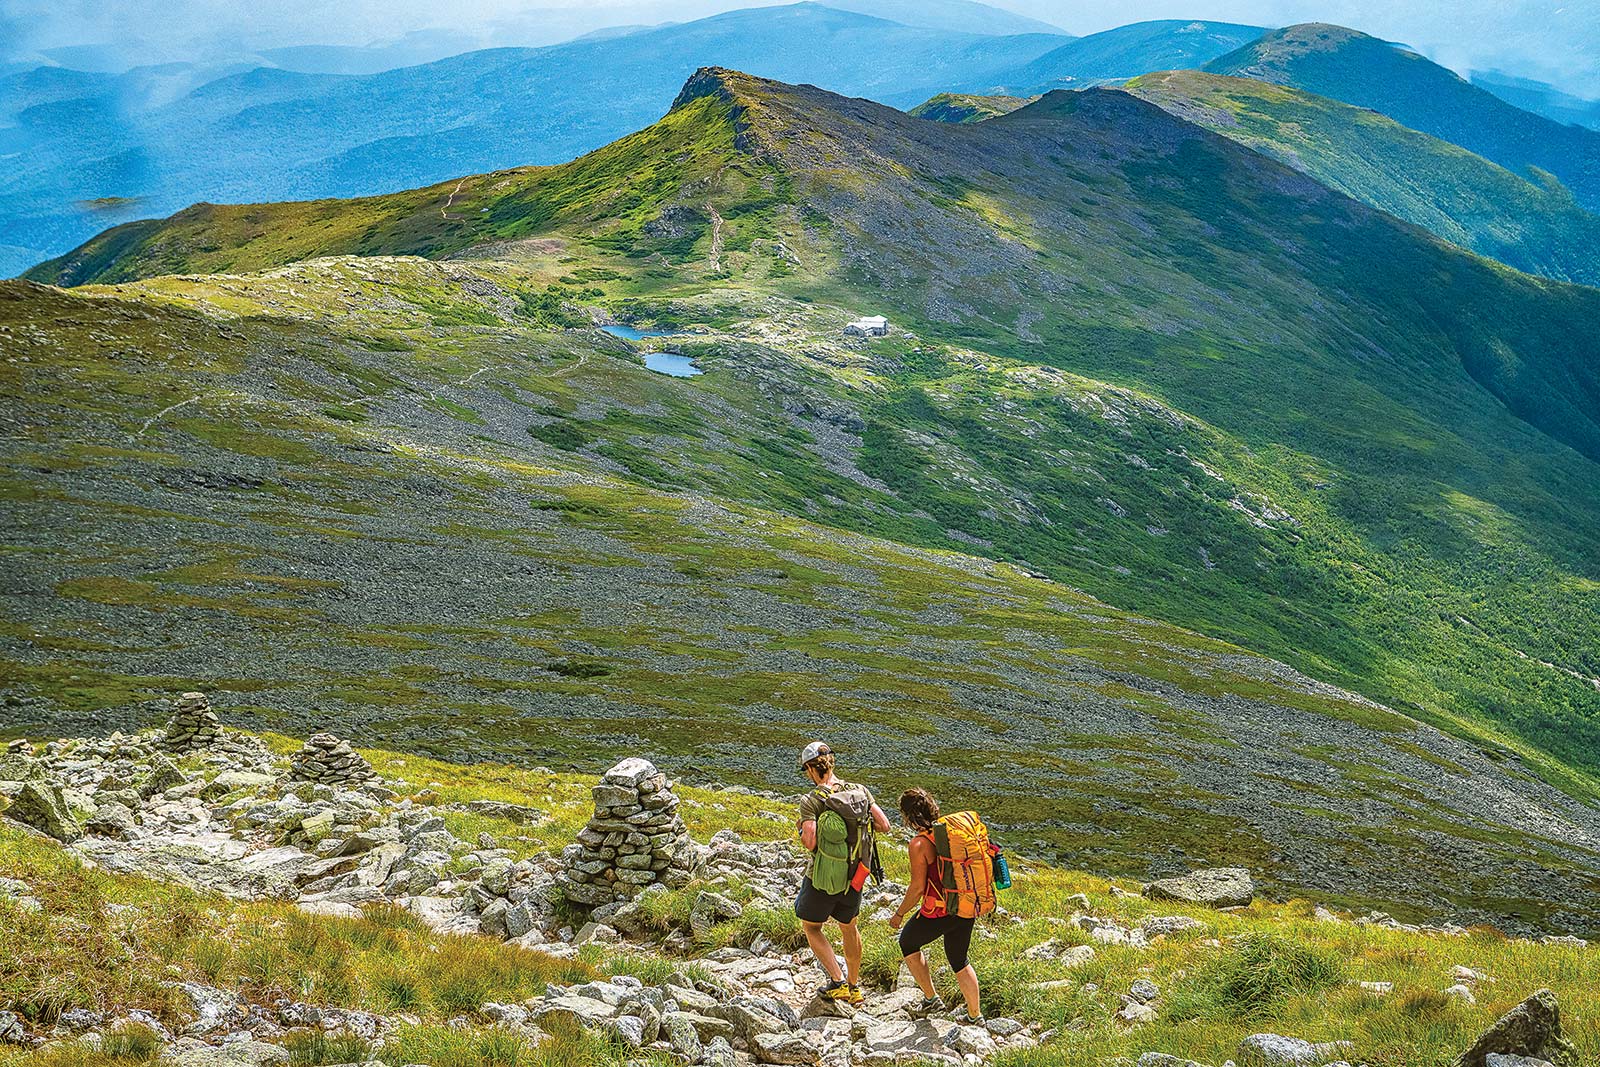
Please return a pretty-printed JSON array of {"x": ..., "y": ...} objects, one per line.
[{"x": 321, "y": 829}]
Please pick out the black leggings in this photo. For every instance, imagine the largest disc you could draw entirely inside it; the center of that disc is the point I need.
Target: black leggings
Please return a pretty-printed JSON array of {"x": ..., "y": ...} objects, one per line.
[{"x": 956, "y": 931}]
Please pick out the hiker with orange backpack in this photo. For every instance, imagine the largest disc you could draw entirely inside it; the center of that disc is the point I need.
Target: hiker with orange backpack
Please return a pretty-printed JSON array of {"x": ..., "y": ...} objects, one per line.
[
  {"x": 955, "y": 871},
  {"x": 837, "y": 824}
]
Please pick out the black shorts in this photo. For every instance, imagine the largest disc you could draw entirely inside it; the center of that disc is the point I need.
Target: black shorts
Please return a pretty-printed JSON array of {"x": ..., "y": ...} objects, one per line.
[
  {"x": 922, "y": 931},
  {"x": 815, "y": 907}
]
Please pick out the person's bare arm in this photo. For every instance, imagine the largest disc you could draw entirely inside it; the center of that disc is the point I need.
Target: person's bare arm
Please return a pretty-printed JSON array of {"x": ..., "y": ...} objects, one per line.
[
  {"x": 808, "y": 834},
  {"x": 919, "y": 881},
  {"x": 880, "y": 821}
]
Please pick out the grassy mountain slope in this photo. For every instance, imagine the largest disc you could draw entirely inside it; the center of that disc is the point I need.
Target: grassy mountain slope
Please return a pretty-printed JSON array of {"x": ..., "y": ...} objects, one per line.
[
  {"x": 134, "y": 935},
  {"x": 966, "y": 107},
  {"x": 379, "y": 489},
  {"x": 1137, "y": 48},
  {"x": 608, "y": 189},
  {"x": 1441, "y": 549},
  {"x": 1350, "y": 66},
  {"x": 1447, "y": 190}
]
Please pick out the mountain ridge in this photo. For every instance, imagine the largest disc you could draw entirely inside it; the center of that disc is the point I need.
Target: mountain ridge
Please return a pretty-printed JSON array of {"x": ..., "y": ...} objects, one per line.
[
  {"x": 1351, "y": 66},
  {"x": 1461, "y": 197},
  {"x": 319, "y": 135},
  {"x": 1137, "y": 48}
]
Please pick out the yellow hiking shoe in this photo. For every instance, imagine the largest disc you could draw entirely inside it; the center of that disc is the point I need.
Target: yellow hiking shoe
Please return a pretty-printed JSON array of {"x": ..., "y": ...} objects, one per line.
[{"x": 839, "y": 990}]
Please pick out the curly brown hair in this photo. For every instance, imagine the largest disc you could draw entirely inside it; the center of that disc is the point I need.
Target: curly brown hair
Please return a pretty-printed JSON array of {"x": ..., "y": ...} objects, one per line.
[{"x": 918, "y": 808}]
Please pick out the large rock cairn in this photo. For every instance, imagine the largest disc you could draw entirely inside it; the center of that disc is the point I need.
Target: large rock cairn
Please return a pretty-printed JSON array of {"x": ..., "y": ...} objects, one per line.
[
  {"x": 634, "y": 840},
  {"x": 193, "y": 725},
  {"x": 330, "y": 761}
]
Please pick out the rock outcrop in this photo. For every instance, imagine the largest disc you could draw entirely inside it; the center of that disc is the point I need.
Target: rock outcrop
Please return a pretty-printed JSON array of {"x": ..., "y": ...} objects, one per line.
[
  {"x": 1219, "y": 887},
  {"x": 193, "y": 725},
  {"x": 634, "y": 840},
  {"x": 329, "y": 761},
  {"x": 1531, "y": 1030},
  {"x": 41, "y": 805}
]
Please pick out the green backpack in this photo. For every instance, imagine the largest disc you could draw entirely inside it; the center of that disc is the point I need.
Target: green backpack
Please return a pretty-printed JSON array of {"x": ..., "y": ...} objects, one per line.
[{"x": 841, "y": 842}]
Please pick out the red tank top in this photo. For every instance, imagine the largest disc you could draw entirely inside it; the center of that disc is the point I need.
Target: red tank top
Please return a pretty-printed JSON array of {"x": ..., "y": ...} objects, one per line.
[{"x": 933, "y": 885}]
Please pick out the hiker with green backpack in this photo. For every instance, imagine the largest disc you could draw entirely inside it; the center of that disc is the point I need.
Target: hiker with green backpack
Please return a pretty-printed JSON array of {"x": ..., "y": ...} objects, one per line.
[{"x": 838, "y": 823}]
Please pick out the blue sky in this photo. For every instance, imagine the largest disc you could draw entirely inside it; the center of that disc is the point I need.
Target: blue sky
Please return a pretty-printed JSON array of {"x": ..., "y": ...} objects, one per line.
[{"x": 1545, "y": 39}]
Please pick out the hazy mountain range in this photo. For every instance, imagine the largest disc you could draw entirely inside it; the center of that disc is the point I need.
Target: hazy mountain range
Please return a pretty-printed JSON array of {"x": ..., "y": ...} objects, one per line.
[{"x": 88, "y": 150}]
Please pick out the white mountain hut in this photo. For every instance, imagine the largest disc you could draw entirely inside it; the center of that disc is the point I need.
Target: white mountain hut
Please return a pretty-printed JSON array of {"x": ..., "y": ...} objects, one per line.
[{"x": 869, "y": 326}]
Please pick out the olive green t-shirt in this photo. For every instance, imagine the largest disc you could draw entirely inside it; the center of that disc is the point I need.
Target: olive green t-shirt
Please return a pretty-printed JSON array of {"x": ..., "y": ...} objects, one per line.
[{"x": 811, "y": 803}]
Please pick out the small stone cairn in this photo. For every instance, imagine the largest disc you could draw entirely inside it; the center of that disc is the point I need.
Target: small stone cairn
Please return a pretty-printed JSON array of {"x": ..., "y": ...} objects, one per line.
[
  {"x": 19, "y": 746},
  {"x": 634, "y": 840},
  {"x": 193, "y": 725},
  {"x": 326, "y": 759}
]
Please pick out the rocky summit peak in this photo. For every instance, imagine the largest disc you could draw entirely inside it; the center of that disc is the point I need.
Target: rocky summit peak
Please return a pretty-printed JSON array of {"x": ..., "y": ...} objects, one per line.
[{"x": 707, "y": 81}]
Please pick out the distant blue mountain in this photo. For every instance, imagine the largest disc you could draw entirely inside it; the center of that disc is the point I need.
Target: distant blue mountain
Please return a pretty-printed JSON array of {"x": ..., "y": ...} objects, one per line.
[
  {"x": 1126, "y": 52},
  {"x": 89, "y": 150},
  {"x": 961, "y": 16},
  {"x": 1539, "y": 97}
]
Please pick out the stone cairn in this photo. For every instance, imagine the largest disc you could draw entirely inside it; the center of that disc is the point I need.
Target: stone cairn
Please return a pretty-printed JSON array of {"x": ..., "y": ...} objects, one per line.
[
  {"x": 19, "y": 746},
  {"x": 634, "y": 840},
  {"x": 330, "y": 761},
  {"x": 194, "y": 725}
]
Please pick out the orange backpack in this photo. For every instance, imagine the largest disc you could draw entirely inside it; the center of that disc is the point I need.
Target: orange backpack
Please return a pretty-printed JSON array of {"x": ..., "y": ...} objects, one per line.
[{"x": 966, "y": 864}]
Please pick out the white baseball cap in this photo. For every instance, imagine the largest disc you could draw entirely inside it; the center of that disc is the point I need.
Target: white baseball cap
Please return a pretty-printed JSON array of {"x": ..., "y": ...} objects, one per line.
[{"x": 812, "y": 751}]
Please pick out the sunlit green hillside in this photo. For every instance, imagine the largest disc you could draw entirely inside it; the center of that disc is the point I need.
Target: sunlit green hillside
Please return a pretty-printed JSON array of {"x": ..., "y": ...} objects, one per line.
[{"x": 1529, "y": 223}]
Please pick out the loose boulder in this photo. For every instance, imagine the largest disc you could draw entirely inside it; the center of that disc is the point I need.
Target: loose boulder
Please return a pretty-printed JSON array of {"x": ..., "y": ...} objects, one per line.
[
  {"x": 41, "y": 805},
  {"x": 1532, "y": 1030},
  {"x": 1275, "y": 1050},
  {"x": 164, "y": 774},
  {"x": 1216, "y": 887}
]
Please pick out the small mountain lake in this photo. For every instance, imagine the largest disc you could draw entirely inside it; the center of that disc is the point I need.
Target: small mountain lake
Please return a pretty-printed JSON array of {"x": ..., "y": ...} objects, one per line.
[
  {"x": 679, "y": 366},
  {"x": 633, "y": 333},
  {"x": 673, "y": 363}
]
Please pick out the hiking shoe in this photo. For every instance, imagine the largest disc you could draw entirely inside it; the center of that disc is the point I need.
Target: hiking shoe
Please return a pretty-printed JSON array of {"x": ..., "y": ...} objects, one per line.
[
  {"x": 839, "y": 990},
  {"x": 960, "y": 1015},
  {"x": 929, "y": 1006},
  {"x": 856, "y": 995}
]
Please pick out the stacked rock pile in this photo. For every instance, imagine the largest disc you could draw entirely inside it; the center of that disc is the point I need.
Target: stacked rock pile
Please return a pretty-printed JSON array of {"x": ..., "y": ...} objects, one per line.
[
  {"x": 193, "y": 725},
  {"x": 19, "y": 747},
  {"x": 326, "y": 759},
  {"x": 635, "y": 839}
]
